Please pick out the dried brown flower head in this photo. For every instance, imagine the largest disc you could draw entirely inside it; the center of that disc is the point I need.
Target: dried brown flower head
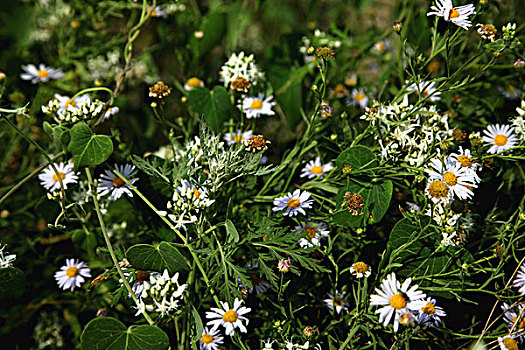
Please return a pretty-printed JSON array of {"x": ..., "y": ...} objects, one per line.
[
  {"x": 240, "y": 84},
  {"x": 487, "y": 31},
  {"x": 354, "y": 203},
  {"x": 459, "y": 135},
  {"x": 257, "y": 143},
  {"x": 159, "y": 90},
  {"x": 325, "y": 53}
]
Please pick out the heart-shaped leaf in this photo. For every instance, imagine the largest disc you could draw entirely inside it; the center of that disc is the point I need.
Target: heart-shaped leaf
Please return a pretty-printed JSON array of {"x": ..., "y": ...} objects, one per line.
[
  {"x": 108, "y": 333},
  {"x": 215, "y": 105},
  {"x": 163, "y": 256},
  {"x": 357, "y": 157},
  {"x": 88, "y": 148}
]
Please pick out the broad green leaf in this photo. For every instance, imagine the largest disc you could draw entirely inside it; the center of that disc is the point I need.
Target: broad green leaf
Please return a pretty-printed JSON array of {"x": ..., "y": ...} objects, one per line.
[
  {"x": 379, "y": 199},
  {"x": 12, "y": 283},
  {"x": 358, "y": 157},
  {"x": 231, "y": 232},
  {"x": 213, "y": 28},
  {"x": 163, "y": 256},
  {"x": 215, "y": 105},
  {"x": 88, "y": 148},
  {"x": 197, "y": 321},
  {"x": 108, "y": 333}
]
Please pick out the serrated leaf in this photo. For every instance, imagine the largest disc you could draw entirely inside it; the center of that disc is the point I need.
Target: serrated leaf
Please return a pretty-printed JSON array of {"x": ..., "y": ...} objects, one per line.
[
  {"x": 12, "y": 283},
  {"x": 88, "y": 148},
  {"x": 358, "y": 157},
  {"x": 214, "y": 105},
  {"x": 163, "y": 256},
  {"x": 231, "y": 232},
  {"x": 108, "y": 333}
]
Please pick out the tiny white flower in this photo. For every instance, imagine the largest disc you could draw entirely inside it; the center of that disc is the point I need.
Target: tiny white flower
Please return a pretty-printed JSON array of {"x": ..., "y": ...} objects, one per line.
[
  {"x": 294, "y": 203},
  {"x": 40, "y": 74},
  {"x": 359, "y": 98},
  {"x": 313, "y": 231},
  {"x": 507, "y": 343},
  {"x": 424, "y": 89},
  {"x": 336, "y": 300},
  {"x": 229, "y": 318},
  {"x": 66, "y": 103},
  {"x": 6, "y": 260},
  {"x": 49, "y": 179},
  {"x": 501, "y": 137},
  {"x": 193, "y": 82},
  {"x": 430, "y": 314},
  {"x": 457, "y": 15},
  {"x": 111, "y": 111},
  {"x": 156, "y": 11},
  {"x": 237, "y": 138},
  {"x": 110, "y": 183},
  {"x": 254, "y": 107},
  {"x": 72, "y": 275},
  {"x": 315, "y": 168},
  {"x": 361, "y": 269},
  {"x": 210, "y": 339}
]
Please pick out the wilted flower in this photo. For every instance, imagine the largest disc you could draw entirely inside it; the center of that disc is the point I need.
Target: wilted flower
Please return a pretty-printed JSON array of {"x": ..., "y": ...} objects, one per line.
[
  {"x": 353, "y": 202},
  {"x": 159, "y": 90},
  {"x": 361, "y": 269},
  {"x": 256, "y": 143}
]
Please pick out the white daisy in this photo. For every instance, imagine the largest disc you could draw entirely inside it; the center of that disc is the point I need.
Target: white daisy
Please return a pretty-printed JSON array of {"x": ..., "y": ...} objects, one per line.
[
  {"x": 382, "y": 46},
  {"x": 457, "y": 15},
  {"x": 465, "y": 159},
  {"x": 406, "y": 317},
  {"x": 358, "y": 98},
  {"x": 519, "y": 280},
  {"x": 156, "y": 11},
  {"x": 210, "y": 339},
  {"x": 40, "y": 74},
  {"x": 49, "y": 178},
  {"x": 72, "y": 275},
  {"x": 229, "y": 318},
  {"x": 336, "y": 300},
  {"x": 439, "y": 192},
  {"x": 515, "y": 318},
  {"x": 238, "y": 137},
  {"x": 294, "y": 203},
  {"x": 430, "y": 314},
  {"x": 459, "y": 180},
  {"x": 66, "y": 103},
  {"x": 6, "y": 260},
  {"x": 507, "y": 343},
  {"x": 312, "y": 232},
  {"x": 314, "y": 168},
  {"x": 111, "y": 183},
  {"x": 193, "y": 82},
  {"x": 501, "y": 137},
  {"x": 254, "y": 107},
  {"x": 424, "y": 89},
  {"x": 396, "y": 296},
  {"x": 360, "y": 269},
  {"x": 111, "y": 111}
]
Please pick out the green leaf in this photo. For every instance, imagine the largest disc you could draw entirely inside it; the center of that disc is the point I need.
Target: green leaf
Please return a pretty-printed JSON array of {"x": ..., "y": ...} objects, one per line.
[
  {"x": 379, "y": 199},
  {"x": 231, "y": 232},
  {"x": 163, "y": 256},
  {"x": 215, "y": 105},
  {"x": 88, "y": 148},
  {"x": 213, "y": 28},
  {"x": 197, "y": 322},
  {"x": 12, "y": 283},
  {"x": 358, "y": 157},
  {"x": 108, "y": 333}
]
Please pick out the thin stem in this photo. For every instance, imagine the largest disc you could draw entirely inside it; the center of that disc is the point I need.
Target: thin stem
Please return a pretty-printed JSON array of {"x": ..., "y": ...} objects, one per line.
[{"x": 110, "y": 248}]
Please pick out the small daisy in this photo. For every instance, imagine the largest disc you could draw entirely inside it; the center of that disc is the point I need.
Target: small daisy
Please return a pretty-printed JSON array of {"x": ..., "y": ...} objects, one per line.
[
  {"x": 382, "y": 46},
  {"x": 283, "y": 265},
  {"x": 439, "y": 192},
  {"x": 519, "y": 280},
  {"x": 360, "y": 269},
  {"x": 501, "y": 137},
  {"x": 465, "y": 159},
  {"x": 430, "y": 314},
  {"x": 515, "y": 317},
  {"x": 111, "y": 183},
  {"x": 406, "y": 317},
  {"x": 238, "y": 137},
  {"x": 507, "y": 343},
  {"x": 312, "y": 231},
  {"x": 254, "y": 107},
  {"x": 156, "y": 11},
  {"x": 336, "y": 299},
  {"x": 358, "y": 98},
  {"x": 424, "y": 89},
  {"x": 138, "y": 282},
  {"x": 457, "y": 15},
  {"x": 395, "y": 297},
  {"x": 65, "y": 101},
  {"x": 459, "y": 180},
  {"x": 49, "y": 178},
  {"x": 294, "y": 203},
  {"x": 40, "y": 74},
  {"x": 210, "y": 339},
  {"x": 228, "y": 318},
  {"x": 193, "y": 82},
  {"x": 314, "y": 168},
  {"x": 72, "y": 275},
  {"x": 111, "y": 111}
]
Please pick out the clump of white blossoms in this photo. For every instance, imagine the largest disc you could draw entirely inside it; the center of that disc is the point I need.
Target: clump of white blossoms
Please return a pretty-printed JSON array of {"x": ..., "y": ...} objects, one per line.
[
  {"x": 518, "y": 122},
  {"x": 6, "y": 260},
  {"x": 406, "y": 134},
  {"x": 457, "y": 15},
  {"x": 240, "y": 66},
  {"x": 161, "y": 294},
  {"x": 72, "y": 112},
  {"x": 187, "y": 201},
  {"x": 456, "y": 226}
]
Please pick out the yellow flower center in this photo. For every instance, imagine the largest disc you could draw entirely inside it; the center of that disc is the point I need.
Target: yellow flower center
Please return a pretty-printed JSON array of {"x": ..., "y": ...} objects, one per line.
[
  {"x": 424, "y": 93},
  {"x": 510, "y": 344},
  {"x": 69, "y": 102},
  {"x": 360, "y": 267},
  {"x": 118, "y": 182},
  {"x": 438, "y": 189},
  {"x": 207, "y": 339},
  {"x": 43, "y": 73},
  {"x": 453, "y": 13},
  {"x": 465, "y": 161},
  {"x": 257, "y": 104},
  {"x": 230, "y": 316},
  {"x": 429, "y": 309},
  {"x": 193, "y": 82},
  {"x": 405, "y": 319},
  {"x": 521, "y": 324},
  {"x": 72, "y": 271},
  {"x": 337, "y": 301},
  {"x": 450, "y": 179},
  {"x": 380, "y": 47},
  {"x": 311, "y": 232},
  {"x": 196, "y": 193},
  {"x": 293, "y": 203},
  {"x": 511, "y": 88},
  {"x": 62, "y": 176},
  {"x": 238, "y": 138},
  {"x": 359, "y": 97},
  {"x": 317, "y": 169},
  {"x": 397, "y": 301},
  {"x": 500, "y": 140}
]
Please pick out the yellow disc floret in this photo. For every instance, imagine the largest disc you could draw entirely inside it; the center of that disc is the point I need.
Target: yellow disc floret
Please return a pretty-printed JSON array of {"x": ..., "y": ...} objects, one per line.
[
  {"x": 429, "y": 309},
  {"x": 397, "y": 301},
  {"x": 450, "y": 178},
  {"x": 62, "y": 176},
  {"x": 43, "y": 73},
  {"x": 72, "y": 271},
  {"x": 293, "y": 203},
  {"x": 500, "y": 140},
  {"x": 453, "y": 13},
  {"x": 465, "y": 161},
  {"x": 230, "y": 316},
  {"x": 207, "y": 338},
  {"x": 438, "y": 189},
  {"x": 360, "y": 267},
  {"x": 256, "y": 104}
]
